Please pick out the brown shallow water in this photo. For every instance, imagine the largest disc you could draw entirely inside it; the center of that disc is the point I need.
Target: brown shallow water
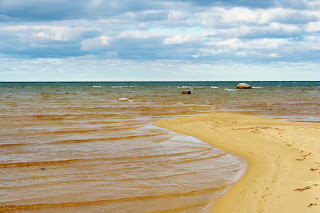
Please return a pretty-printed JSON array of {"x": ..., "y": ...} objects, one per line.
[{"x": 91, "y": 147}]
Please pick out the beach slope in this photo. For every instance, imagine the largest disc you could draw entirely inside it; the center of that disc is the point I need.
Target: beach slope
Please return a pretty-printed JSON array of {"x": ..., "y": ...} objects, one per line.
[{"x": 284, "y": 160}]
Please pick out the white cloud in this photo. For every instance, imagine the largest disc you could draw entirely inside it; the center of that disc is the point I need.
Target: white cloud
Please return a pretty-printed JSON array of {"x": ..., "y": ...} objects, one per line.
[
  {"x": 273, "y": 55},
  {"x": 314, "y": 5},
  {"x": 311, "y": 42},
  {"x": 139, "y": 34},
  {"x": 175, "y": 15},
  {"x": 43, "y": 32},
  {"x": 57, "y": 35},
  {"x": 178, "y": 39},
  {"x": 313, "y": 27},
  {"x": 235, "y": 15},
  {"x": 266, "y": 31},
  {"x": 188, "y": 37},
  {"x": 219, "y": 17},
  {"x": 274, "y": 14},
  {"x": 241, "y": 54},
  {"x": 211, "y": 52},
  {"x": 263, "y": 43},
  {"x": 98, "y": 43}
]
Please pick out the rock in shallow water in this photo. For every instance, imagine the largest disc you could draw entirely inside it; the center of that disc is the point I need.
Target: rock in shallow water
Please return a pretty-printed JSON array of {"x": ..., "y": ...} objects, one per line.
[
  {"x": 243, "y": 86},
  {"x": 186, "y": 92}
]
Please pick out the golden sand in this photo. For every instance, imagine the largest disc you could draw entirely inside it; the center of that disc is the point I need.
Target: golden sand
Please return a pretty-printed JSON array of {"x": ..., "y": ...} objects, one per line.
[{"x": 284, "y": 160}]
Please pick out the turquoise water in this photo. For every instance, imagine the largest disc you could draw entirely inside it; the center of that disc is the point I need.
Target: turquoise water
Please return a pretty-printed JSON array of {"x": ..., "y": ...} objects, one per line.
[{"x": 90, "y": 146}]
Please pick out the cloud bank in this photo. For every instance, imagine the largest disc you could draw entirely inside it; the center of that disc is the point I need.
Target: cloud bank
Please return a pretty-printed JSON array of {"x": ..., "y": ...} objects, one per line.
[{"x": 188, "y": 32}]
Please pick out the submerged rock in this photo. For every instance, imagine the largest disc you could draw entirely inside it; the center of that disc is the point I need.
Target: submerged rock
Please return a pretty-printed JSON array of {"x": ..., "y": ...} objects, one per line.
[
  {"x": 186, "y": 92},
  {"x": 243, "y": 86}
]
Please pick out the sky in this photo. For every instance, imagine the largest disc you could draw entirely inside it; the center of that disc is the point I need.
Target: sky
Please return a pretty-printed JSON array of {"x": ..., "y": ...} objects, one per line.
[{"x": 159, "y": 40}]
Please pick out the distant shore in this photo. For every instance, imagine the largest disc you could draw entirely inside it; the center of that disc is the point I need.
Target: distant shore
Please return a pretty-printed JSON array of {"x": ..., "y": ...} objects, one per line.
[{"x": 284, "y": 160}]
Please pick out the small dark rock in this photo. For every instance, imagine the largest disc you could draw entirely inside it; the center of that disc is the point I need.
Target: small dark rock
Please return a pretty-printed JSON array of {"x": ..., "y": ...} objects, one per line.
[
  {"x": 43, "y": 169},
  {"x": 186, "y": 92}
]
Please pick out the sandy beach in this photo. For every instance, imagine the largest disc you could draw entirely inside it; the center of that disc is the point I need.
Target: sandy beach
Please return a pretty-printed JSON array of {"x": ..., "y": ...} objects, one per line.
[{"x": 283, "y": 160}]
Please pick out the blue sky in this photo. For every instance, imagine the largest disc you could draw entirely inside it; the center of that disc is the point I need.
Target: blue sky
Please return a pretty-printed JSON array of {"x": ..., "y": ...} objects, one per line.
[{"x": 103, "y": 40}]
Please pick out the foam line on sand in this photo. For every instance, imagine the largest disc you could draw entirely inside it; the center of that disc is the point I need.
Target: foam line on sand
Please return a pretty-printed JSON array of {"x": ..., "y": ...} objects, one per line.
[{"x": 283, "y": 160}]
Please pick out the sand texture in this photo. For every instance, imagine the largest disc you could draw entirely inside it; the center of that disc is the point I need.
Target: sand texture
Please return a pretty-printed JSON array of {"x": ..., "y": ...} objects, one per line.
[{"x": 284, "y": 160}]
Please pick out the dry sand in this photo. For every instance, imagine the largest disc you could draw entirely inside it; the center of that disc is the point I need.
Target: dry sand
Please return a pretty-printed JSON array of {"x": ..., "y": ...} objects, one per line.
[{"x": 284, "y": 160}]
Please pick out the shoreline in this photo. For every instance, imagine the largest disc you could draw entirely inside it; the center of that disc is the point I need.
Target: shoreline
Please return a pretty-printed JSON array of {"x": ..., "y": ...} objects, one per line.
[{"x": 283, "y": 160}]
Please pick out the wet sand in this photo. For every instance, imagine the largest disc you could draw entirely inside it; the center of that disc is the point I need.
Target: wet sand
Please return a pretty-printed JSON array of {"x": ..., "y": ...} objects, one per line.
[{"x": 284, "y": 160}]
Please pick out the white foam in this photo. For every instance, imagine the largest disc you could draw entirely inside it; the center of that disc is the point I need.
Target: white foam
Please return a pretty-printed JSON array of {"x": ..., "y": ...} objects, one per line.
[
  {"x": 256, "y": 87},
  {"x": 184, "y": 87},
  {"x": 176, "y": 136},
  {"x": 96, "y": 86},
  {"x": 121, "y": 86},
  {"x": 214, "y": 87},
  {"x": 184, "y": 138},
  {"x": 230, "y": 90},
  {"x": 123, "y": 99}
]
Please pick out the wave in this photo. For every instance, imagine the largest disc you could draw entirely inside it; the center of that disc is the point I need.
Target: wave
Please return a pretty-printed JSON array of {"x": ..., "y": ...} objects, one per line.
[
  {"x": 123, "y": 99},
  {"x": 15, "y": 144},
  {"x": 230, "y": 90},
  {"x": 122, "y": 86},
  {"x": 58, "y": 162},
  {"x": 87, "y": 203},
  {"x": 214, "y": 87},
  {"x": 185, "y": 87},
  {"x": 103, "y": 139}
]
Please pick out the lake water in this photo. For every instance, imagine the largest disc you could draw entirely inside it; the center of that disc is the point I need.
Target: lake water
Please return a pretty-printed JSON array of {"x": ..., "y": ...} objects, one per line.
[{"x": 91, "y": 146}]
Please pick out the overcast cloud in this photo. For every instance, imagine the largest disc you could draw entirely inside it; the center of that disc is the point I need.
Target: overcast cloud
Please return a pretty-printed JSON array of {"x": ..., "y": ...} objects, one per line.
[{"x": 159, "y": 40}]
